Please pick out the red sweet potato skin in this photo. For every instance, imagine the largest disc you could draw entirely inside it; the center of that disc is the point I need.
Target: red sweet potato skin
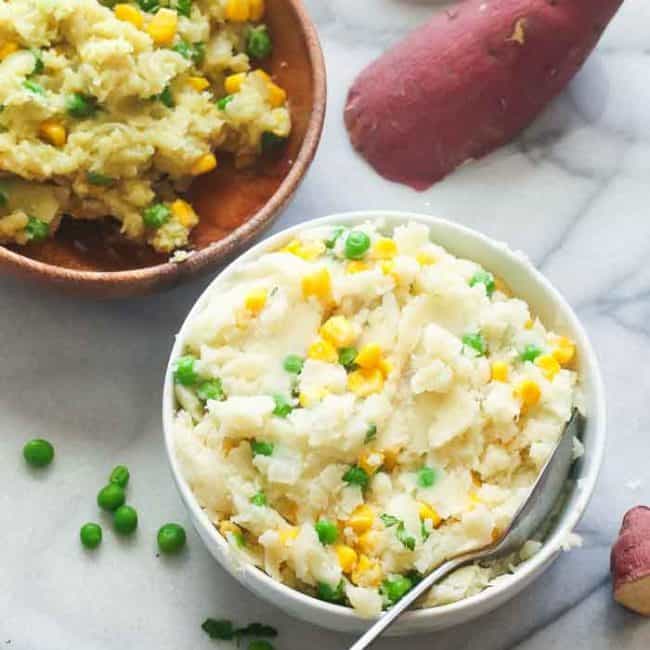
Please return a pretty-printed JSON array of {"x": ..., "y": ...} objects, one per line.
[
  {"x": 467, "y": 82},
  {"x": 630, "y": 557}
]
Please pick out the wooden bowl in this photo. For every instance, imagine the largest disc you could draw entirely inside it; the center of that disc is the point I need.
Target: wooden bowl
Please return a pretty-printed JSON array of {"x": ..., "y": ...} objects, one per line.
[{"x": 91, "y": 258}]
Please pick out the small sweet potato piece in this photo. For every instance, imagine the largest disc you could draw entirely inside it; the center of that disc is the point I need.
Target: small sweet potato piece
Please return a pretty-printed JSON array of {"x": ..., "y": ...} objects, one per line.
[
  {"x": 467, "y": 82},
  {"x": 630, "y": 561}
]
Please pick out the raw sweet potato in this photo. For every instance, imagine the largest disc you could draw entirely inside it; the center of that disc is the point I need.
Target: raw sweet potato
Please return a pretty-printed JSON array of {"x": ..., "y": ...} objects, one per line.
[
  {"x": 630, "y": 561},
  {"x": 467, "y": 82}
]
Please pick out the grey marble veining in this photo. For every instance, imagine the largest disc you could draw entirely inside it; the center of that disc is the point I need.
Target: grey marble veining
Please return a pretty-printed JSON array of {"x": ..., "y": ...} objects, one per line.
[{"x": 573, "y": 193}]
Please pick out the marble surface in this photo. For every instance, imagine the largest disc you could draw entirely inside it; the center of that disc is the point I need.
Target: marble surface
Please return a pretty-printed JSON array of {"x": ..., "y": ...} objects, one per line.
[{"x": 573, "y": 193}]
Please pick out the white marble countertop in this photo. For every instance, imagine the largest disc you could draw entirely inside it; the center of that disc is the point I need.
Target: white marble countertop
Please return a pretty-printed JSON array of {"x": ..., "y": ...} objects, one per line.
[{"x": 573, "y": 193}]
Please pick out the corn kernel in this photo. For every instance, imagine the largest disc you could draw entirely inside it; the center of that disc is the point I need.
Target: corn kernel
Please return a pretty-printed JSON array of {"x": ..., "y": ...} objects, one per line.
[
  {"x": 339, "y": 331},
  {"x": 390, "y": 458},
  {"x": 549, "y": 365},
  {"x": 288, "y": 534},
  {"x": 564, "y": 351},
  {"x": 386, "y": 367},
  {"x": 233, "y": 82},
  {"x": 162, "y": 27},
  {"x": 206, "y": 163},
  {"x": 357, "y": 266},
  {"x": 322, "y": 350},
  {"x": 501, "y": 286},
  {"x": 263, "y": 75},
  {"x": 227, "y": 526},
  {"x": 128, "y": 14},
  {"x": 427, "y": 512},
  {"x": 367, "y": 542},
  {"x": 388, "y": 268},
  {"x": 528, "y": 392},
  {"x": 228, "y": 444},
  {"x": 347, "y": 557},
  {"x": 369, "y": 356},
  {"x": 307, "y": 251},
  {"x": 319, "y": 285},
  {"x": 473, "y": 500},
  {"x": 424, "y": 258},
  {"x": 198, "y": 83},
  {"x": 257, "y": 9},
  {"x": 529, "y": 324},
  {"x": 256, "y": 300},
  {"x": 370, "y": 461},
  {"x": 309, "y": 399},
  {"x": 368, "y": 572},
  {"x": 53, "y": 132},
  {"x": 361, "y": 519},
  {"x": 384, "y": 248},
  {"x": 499, "y": 371},
  {"x": 8, "y": 48},
  {"x": 277, "y": 95},
  {"x": 238, "y": 10},
  {"x": 364, "y": 382},
  {"x": 184, "y": 213}
]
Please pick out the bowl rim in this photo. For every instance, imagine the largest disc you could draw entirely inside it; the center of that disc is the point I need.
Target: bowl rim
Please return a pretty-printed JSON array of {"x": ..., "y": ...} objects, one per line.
[
  {"x": 478, "y": 603},
  {"x": 236, "y": 240}
]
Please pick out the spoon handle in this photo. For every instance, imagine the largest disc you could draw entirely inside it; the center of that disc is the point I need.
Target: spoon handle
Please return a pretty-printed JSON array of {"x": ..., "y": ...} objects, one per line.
[{"x": 389, "y": 617}]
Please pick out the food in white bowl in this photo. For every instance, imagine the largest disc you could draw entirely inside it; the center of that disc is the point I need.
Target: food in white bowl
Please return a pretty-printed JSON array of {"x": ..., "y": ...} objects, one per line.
[{"x": 356, "y": 404}]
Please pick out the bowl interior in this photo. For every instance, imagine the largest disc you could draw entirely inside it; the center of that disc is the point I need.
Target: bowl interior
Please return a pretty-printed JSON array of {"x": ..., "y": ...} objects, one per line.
[
  {"x": 233, "y": 204},
  {"x": 546, "y": 302}
]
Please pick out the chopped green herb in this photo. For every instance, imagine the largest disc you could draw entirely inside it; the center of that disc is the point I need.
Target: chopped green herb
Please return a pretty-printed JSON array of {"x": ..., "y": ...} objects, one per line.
[
  {"x": 327, "y": 531},
  {"x": 424, "y": 531},
  {"x": 37, "y": 230},
  {"x": 371, "y": 433},
  {"x": 282, "y": 406},
  {"x": 94, "y": 178},
  {"x": 347, "y": 357},
  {"x": 331, "y": 594},
  {"x": 192, "y": 52},
  {"x": 224, "y": 101},
  {"x": 184, "y": 370},
  {"x": 393, "y": 589},
  {"x": 272, "y": 142},
  {"x": 167, "y": 98},
  {"x": 210, "y": 389},
  {"x": 389, "y": 520},
  {"x": 403, "y": 536},
  {"x": 476, "y": 342},
  {"x": 80, "y": 105},
  {"x": 33, "y": 87},
  {"x": 293, "y": 364},
  {"x": 486, "y": 279},
  {"x": 38, "y": 61},
  {"x": 261, "y": 448},
  {"x": 120, "y": 476},
  {"x": 259, "y": 499},
  {"x": 336, "y": 233},
  {"x": 258, "y": 42},
  {"x": 426, "y": 476},
  {"x": 156, "y": 215},
  {"x": 184, "y": 7},
  {"x": 218, "y": 629},
  {"x": 530, "y": 353},
  {"x": 356, "y": 476}
]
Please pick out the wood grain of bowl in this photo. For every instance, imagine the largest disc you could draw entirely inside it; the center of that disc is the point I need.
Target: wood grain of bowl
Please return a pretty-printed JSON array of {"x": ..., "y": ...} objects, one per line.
[{"x": 90, "y": 258}]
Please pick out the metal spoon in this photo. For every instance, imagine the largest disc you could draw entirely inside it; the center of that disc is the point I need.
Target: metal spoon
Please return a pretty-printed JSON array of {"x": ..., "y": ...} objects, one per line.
[{"x": 531, "y": 514}]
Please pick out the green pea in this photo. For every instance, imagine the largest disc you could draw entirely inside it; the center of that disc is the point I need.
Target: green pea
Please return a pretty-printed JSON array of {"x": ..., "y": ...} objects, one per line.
[
  {"x": 395, "y": 588},
  {"x": 37, "y": 230},
  {"x": 120, "y": 476},
  {"x": 293, "y": 364},
  {"x": 371, "y": 433},
  {"x": 259, "y": 499},
  {"x": 210, "y": 389},
  {"x": 271, "y": 142},
  {"x": 38, "y": 452},
  {"x": 260, "y": 448},
  {"x": 486, "y": 279},
  {"x": 282, "y": 406},
  {"x": 327, "y": 531},
  {"x": 336, "y": 233},
  {"x": 258, "y": 42},
  {"x": 260, "y": 644},
  {"x": 38, "y": 61},
  {"x": 156, "y": 215},
  {"x": 167, "y": 98},
  {"x": 356, "y": 476},
  {"x": 192, "y": 52},
  {"x": 184, "y": 7},
  {"x": 80, "y": 105},
  {"x": 347, "y": 357},
  {"x": 33, "y": 87},
  {"x": 331, "y": 594},
  {"x": 125, "y": 520},
  {"x": 224, "y": 101},
  {"x": 426, "y": 476},
  {"x": 184, "y": 370},
  {"x": 111, "y": 497},
  {"x": 357, "y": 244},
  {"x": 150, "y": 6},
  {"x": 95, "y": 178},
  {"x": 530, "y": 353},
  {"x": 91, "y": 535},
  {"x": 171, "y": 538},
  {"x": 476, "y": 342}
]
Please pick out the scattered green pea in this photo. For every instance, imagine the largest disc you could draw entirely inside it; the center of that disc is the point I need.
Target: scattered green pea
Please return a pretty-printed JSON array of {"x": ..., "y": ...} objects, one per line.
[
  {"x": 347, "y": 357},
  {"x": 125, "y": 520},
  {"x": 184, "y": 7},
  {"x": 38, "y": 452},
  {"x": 327, "y": 531},
  {"x": 194, "y": 52},
  {"x": 261, "y": 448},
  {"x": 120, "y": 476},
  {"x": 111, "y": 497},
  {"x": 259, "y": 499},
  {"x": 90, "y": 535},
  {"x": 395, "y": 588},
  {"x": 258, "y": 42},
  {"x": 426, "y": 476},
  {"x": 80, "y": 105},
  {"x": 293, "y": 364},
  {"x": 184, "y": 370},
  {"x": 477, "y": 342},
  {"x": 330, "y": 594},
  {"x": 38, "y": 61},
  {"x": 156, "y": 215},
  {"x": 356, "y": 476},
  {"x": 210, "y": 389},
  {"x": 224, "y": 101},
  {"x": 356, "y": 245},
  {"x": 167, "y": 98},
  {"x": 171, "y": 538},
  {"x": 282, "y": 406},
  {"x": 486, "y": 279},
  {"x": 33, "y": 87},
  {"x": 37, "y": 230},
  {"x": 530, "y": 353}
]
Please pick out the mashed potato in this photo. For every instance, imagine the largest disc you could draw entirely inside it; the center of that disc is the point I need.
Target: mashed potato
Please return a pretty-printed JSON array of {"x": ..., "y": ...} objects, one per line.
[
  {"x": 111, "y": 109},
  {"x": 357, "y": 406}
]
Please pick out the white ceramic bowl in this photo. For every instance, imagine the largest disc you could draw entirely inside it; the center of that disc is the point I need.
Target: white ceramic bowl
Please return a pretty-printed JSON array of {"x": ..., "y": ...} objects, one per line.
[{"x": 555, "y": 313}]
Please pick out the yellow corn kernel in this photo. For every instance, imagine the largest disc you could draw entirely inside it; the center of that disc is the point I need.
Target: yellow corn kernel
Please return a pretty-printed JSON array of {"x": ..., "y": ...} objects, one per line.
[
  {"x": 255, "y": 300},
  {"x": 198, "y": 83},
  {"x": 263, "y": 75},
  {"x": 228, "y": 444},
  {"x": 367, "y": 542},
  {"x": 319, "y": 285},
  {"x": 549, "y": 365},
  {"x": 370, "y": 461},
  {"x": 528, "y": 392},
  {"x": 309, "y": 399},
  {"x": 339, "y": 331},
  {"x": 361, "y": 519},
  {"x": 384, "y": 248},
  {"x": 53, "y": 132},
  {"x": 233, "y": 82},
  {"x": 499, "y": 371},
  {"x": 257, "y": 9},
  {"x": 227, "y": 526},
  {"x": 390, "y": 458},
  {"x": 162, "y": 27},
  {"x": 427, "y": 512},
  {"x": 347, "y": 557},
  {"x": 288, "y": 534},
  {"x": 277, "y": 95},
  {"x": 564, "y": 351},
  {"x": 238, "y": 10},
  {"x": 385, "y": 366},
  {"x": 473, "y": 500},
  {"x": 369, "y": 356},
  {"x": 307, "y": 251},
  {"x": 388, "y": 268},
  {"x": 322, "y": 350},
  {"x": 368, "y": 572},
  {"x": 8, "y": 48},
  {"x": 129, "y": 14},
  {"x": 206, "y": 163},
  {"x": 357, "y": 266},
  {"x": 501, "y": 286},
  {"x": 364, "y": 382},
  {"x": 424, "y": 258},
  {"x": 184, "y": 213},
  {"x": 529, "y": 324}
]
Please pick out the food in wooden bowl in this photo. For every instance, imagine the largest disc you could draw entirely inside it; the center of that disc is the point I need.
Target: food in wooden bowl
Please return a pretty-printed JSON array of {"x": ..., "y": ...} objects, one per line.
[{"x": 135, "y": 132}]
